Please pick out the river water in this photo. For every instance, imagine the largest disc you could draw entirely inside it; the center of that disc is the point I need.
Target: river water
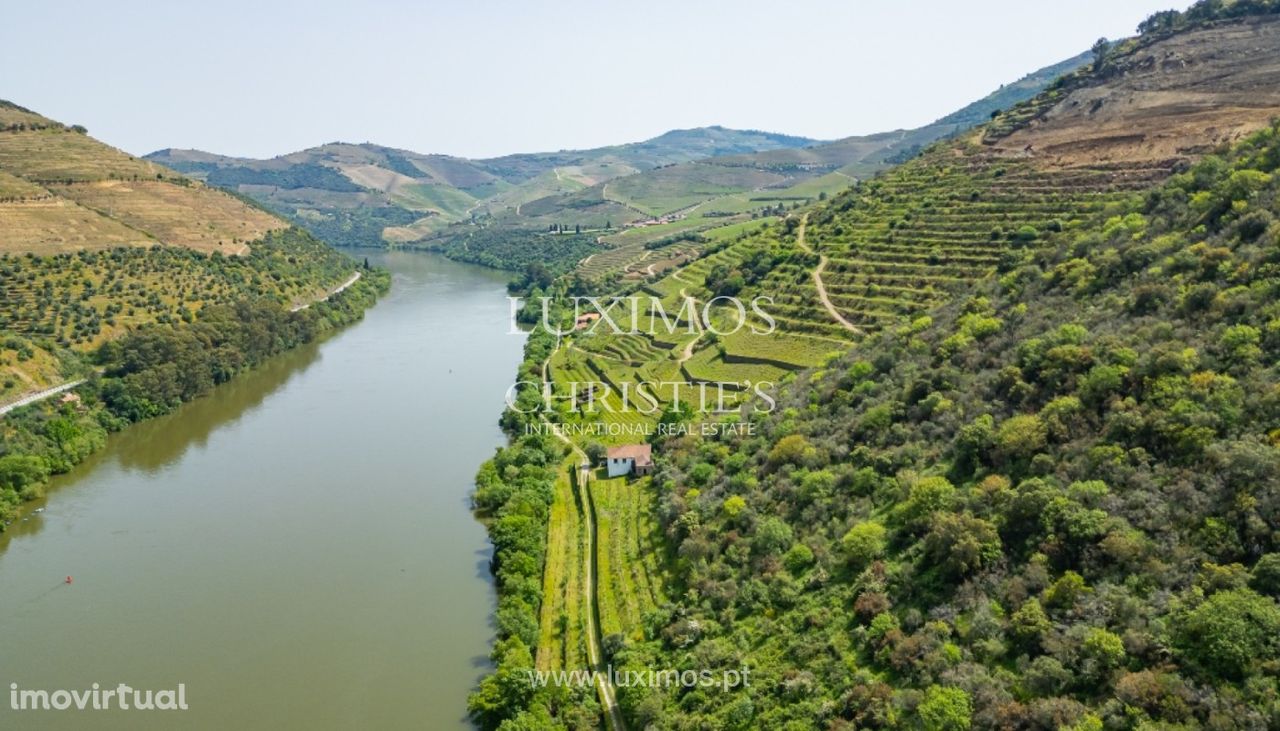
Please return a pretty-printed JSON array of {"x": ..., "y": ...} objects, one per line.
[{"x": 295, "y": 549}]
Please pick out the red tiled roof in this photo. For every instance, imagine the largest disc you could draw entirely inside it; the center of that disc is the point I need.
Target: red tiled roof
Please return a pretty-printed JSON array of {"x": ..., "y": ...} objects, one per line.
[{"x": 641, "y": 453}]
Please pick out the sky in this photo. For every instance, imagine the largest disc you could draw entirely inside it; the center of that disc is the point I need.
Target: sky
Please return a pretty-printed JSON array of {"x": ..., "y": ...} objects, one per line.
[{"x": 488, "y": 77}]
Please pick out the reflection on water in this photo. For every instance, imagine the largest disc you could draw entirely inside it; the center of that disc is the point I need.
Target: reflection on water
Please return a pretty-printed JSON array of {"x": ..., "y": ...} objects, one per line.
[
  {"x": 295, "y": 548},
  {"x": 153, "y": 444}
]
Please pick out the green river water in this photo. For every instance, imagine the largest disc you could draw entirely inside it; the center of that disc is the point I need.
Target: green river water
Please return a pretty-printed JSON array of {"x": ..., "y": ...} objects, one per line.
[{"x": 296, "y": 549}]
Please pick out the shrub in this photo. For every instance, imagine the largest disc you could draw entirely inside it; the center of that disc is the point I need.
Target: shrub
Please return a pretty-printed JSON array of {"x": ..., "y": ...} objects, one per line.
[{"x": 864, "y": 543}]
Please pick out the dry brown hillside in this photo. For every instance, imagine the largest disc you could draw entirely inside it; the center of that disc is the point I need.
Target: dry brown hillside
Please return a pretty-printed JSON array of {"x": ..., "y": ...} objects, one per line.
[
  {"x": 1167, "y": 99},
  {"x": 61, "y": 191}
]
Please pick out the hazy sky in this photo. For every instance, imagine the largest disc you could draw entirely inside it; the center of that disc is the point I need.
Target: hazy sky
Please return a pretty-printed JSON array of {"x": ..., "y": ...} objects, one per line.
[{"x": 482, "y": 78}]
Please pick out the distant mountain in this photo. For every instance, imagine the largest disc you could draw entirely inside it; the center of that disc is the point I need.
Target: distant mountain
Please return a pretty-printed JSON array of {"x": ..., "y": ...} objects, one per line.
[
  {"x": 366, "y": 194},
  {"x": 352, "y": 194},
  {"x": 864, "y": 155}
]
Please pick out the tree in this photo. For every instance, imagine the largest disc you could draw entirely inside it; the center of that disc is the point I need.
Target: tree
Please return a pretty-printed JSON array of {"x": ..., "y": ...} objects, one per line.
[
  {"x": 1265, "y": 576},
  {"x": 961, "y": 544},
  {"x": 1099, "y": 51},
  {"x": 926, "y": 496},
  {"x": 864, "y": 543},
  {"x": 1229, "y": 632},
  {"x": 793, "y": 449},
  {"x": 772, "y": 537},
  {"x": 1021, "y": 436},
  {"x": 1030, "y": 623},
  {"x": 1157, "y": 22},
  {"x": 945, "y": 709},
  {"x": 734, "y": 506},
  {"x": 1066, "y": 591},
  {"x": 1103, "y": 651}
]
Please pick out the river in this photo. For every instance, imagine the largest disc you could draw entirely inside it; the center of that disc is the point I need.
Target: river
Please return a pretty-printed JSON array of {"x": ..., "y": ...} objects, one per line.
[{"x": 297, "y": 548}]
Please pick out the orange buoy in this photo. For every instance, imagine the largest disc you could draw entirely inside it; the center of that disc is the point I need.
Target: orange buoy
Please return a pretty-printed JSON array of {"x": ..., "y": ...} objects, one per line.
[{"x": 68, "y": 579}]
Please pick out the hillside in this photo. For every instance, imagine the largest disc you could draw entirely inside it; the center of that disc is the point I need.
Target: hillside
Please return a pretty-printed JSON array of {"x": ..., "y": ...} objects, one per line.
[
  {"x": 1052, "y": 504},
  {"x": 95, "y": 243},
  {"x": 1023, "y": 465},
  {"x": 63, "y": 191},
  {"x": 629, "y": 195},
  {"x": 863, "y": 156},
  {"x": 688, "y": 203},
  {"x": 362, "y": 194},
  {"x": 1155, "y": 98}
]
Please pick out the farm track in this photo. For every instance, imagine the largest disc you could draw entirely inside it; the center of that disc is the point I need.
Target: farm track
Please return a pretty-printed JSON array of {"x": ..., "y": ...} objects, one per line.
[
  {"x": 817, "y": 279},
  {"x": 595, "y": 653},
  {"x": 40, "y": 395}
]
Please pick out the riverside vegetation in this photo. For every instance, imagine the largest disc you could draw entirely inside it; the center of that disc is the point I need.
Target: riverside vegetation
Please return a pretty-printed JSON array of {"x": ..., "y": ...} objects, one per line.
[
  {"x": 151, "y": 287},
  {"x": 152, "y": 370},
  {"x": 1037, "y": 487}
]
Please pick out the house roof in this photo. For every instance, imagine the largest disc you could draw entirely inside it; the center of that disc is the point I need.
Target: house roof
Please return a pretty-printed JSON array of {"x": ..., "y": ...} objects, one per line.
[{"x": 641, "y": 453}]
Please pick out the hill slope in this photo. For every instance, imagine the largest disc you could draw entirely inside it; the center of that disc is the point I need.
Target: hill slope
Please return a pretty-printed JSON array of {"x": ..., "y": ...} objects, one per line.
[
  {"x": 1039, "y": 488},
  {"x": 62, "y": 191},
  {"x": 1054, "y": 504},
  {"x": 95, "y": 243}
]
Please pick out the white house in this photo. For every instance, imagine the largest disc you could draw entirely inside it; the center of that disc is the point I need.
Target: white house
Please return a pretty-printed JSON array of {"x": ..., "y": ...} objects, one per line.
[{"x": 629, "y": 459}]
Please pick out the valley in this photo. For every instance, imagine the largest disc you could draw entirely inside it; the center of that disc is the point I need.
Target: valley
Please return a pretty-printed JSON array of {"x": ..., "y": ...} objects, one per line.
[
  {"x": 626, "y": 199},
  {"x": 974, "y": 425}
]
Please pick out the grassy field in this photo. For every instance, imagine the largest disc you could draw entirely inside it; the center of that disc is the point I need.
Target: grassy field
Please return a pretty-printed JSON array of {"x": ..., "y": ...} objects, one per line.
[
  {"x": 449, "y": 202},
  {"x": 797, "y": 351},
  {"x": 707, "y": 364}
]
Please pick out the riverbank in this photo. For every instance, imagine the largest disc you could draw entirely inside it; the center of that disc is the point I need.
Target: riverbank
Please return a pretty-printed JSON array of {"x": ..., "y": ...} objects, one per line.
[
  {"x": 297, "y": 547},
  {"x": 150, "y": 372}
]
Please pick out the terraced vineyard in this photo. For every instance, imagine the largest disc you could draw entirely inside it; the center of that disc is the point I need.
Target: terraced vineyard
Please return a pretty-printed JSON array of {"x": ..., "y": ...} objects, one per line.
[
  {"x": 707, "y": 365},
  {"x": 583, "y": 399},
  {"x": 562, "y": 622},
  {"x": 59, "y": 155},
  {"x": 632, "y": 574},
  {"x": 897, "y": 245},
  {"x": 885, "y": 253}
]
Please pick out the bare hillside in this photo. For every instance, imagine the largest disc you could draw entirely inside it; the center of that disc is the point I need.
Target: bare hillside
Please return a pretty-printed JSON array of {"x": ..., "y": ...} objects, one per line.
[{"x": 1167, "y": 99}]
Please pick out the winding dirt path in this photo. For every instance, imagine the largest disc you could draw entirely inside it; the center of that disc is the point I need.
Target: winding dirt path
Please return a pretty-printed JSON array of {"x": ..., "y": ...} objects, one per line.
[
  {"x": 687, "y": 353},
  {"x": 817, "y": 279}
]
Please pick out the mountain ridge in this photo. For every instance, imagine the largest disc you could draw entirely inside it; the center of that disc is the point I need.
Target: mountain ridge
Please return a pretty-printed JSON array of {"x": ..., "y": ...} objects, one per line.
[{"x": 404, "y": 197}]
